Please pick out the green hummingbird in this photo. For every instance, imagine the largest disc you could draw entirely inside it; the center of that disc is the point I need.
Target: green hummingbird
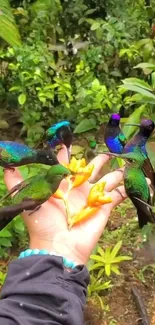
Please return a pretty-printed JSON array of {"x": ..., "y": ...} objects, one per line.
[
  {"x": 13, "y": 154},
  {"x": 136, "y": 185},
  {"x": 32, "y": 193}
]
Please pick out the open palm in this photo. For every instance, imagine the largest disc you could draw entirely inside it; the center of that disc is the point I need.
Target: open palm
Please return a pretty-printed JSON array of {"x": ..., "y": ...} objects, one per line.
[{"x": 48, "y": 227}]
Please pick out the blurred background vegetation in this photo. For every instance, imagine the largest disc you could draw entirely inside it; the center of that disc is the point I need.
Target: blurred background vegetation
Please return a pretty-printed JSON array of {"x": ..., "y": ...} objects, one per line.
[{"x": 40, "y": 84}]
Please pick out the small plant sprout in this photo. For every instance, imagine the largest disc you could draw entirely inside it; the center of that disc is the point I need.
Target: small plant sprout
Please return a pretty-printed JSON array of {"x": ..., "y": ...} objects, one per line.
[{"x": 107, "y": 261}]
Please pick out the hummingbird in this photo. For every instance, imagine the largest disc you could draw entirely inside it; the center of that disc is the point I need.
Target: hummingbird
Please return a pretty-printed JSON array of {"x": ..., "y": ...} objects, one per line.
[
  {"x": 14, "y": 154},
  {"x": 70, "y": 48},
  {"x": 146, "y": 128},
  {"x": 60, "y": 133},
  {"x": 136, "y": 185},
  {"x": 32, "y": 193},
  {"x": 113, "y": 136}
]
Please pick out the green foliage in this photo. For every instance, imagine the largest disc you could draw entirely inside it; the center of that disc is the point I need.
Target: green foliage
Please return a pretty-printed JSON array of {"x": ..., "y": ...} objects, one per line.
[
  {"x": 96, "y": 285},
  {"x": 107, "y": 261},
  {"x": 2, "y": 278},
  {"x": 8, "y": 29}
]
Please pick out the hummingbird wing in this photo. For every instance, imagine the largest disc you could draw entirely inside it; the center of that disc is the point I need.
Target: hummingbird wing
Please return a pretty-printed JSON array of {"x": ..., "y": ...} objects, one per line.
[
  {"x": 9, "y": 212},
  {"x": 80, "y": 45},
  {"x": 17, "y": 187},
  {"x": 144, "y": 212},
  {"x": 57, "y": 47},
  {"x": 122, "y": 139},
  {"x": 149, "y": 172}
]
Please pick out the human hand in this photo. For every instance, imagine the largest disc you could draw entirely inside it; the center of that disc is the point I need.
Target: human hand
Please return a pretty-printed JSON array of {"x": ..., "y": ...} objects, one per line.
[{"x": 48, "y": 227}]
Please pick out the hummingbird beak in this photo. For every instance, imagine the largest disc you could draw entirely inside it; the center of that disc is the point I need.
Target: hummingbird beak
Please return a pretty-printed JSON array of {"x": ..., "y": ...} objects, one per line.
[
  {"x": 111, "y": 154},
  {"x": 134, "y": 124},
  {"x": 69, "y": 152}
]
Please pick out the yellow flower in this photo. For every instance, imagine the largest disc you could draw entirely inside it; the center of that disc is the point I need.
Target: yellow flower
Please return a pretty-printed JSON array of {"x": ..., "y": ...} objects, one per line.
[
  {"x": 83, "y": 171},
  {"x": 97, "y": 197},
  {"x": 83, "y": 215}
]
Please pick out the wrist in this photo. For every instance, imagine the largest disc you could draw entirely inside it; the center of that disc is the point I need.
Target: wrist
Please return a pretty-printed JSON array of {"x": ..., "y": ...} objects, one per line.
[{"x": 59, "y": 249}]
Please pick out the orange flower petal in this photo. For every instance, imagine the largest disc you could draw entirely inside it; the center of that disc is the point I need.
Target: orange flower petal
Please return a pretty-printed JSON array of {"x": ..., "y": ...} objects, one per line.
[
  {"x": 82, "y": 172},
  {"x": 80, "y": 179},
  {"x": 76, "y": 164},
  {"x": 58, "y": 194},
  {"x": 83, "y": 215},
  {"x": 96, "y": 195}
]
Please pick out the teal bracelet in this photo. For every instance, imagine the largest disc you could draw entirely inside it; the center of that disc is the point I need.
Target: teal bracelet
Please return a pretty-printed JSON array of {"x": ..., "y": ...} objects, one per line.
[{"x": 29, "y": 252}]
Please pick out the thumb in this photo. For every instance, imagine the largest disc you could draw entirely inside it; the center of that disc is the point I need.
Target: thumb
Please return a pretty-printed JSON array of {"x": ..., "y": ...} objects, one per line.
[{"x": 12, "y": 178}]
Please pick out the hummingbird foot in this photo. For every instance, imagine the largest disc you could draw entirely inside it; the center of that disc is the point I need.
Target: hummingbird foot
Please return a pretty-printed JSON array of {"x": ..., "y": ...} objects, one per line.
[
  {"x": 10, "y": 168},
  {"x": 118, "y": 191},
  {"x": 35, "y": 210}
]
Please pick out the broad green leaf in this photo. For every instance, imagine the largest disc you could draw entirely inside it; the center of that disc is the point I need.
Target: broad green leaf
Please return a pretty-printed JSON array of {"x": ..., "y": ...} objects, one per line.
[
  {"x": 120, "y": 162},
  {"x": 5, "y": 233},
  {"x": 4, "y": 124},
  {"x": 95, "y": 26},
  {"x": 133, "y": 118},
  {"x": 8, "y": 29},
  {"x": 95, "y": 84},
  {"x": 116, "y": 249},
  {"x": 77, "y": 149},
  {"x": 22, "y": 99},
  {"x": 85, "y": 125},
  {"x": 19, "y": 225},
  {"x": 139, "y": 90},
  {"x": 145, "y": 65},
  {"x": 153, "y": 79},
  {"x": 137, "y": 82},
  {"x": 5, "y": 242}
]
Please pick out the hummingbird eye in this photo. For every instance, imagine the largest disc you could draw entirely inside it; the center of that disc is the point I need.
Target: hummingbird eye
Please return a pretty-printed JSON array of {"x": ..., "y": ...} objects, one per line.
[{"x": 130, "y": 160}]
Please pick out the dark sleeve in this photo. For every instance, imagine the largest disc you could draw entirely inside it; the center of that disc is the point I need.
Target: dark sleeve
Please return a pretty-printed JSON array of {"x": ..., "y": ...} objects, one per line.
[{"x": 38, "y": 291}]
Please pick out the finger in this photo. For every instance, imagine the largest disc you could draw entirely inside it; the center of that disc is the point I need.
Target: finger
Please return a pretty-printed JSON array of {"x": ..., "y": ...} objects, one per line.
[
  {"x": 98, "y": 163},
  {"x": 112, "y": 179},
  {"x": 63, "y": 155},
  {"x": 12, "y": 178},
  {"x": 118, "y": 195}
]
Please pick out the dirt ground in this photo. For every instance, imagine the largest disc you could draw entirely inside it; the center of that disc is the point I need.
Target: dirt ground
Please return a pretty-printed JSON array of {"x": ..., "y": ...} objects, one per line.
[{"x": 122, "y": 309}]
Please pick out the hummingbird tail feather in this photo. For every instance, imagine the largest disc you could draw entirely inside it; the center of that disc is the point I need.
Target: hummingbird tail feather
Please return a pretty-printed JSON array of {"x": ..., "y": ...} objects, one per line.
[
  {"x": 149, "y": 173},
  {"x": 17, "y": 187},
  {"x": 144, "y": 212},
  {"x": 8, "y": 213}
]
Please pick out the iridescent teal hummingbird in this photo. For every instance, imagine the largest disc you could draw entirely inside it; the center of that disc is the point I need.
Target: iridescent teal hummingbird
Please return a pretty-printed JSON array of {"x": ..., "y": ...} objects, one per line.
[
  {"x": 146, "y": 128},
  {"x": 136, "y": 185},
  {"x": 14, "y": 154},
  {"x": 113, "y": 136},
  {"x": 60, "y": 133},
  {"x": 32, "y": 193}
]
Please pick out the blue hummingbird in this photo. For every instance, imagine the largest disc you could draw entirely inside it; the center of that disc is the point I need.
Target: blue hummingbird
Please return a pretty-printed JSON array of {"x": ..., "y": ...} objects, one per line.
[
  {"x": 60, "y": 133},
  {"x": 113, "y": 136}
]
